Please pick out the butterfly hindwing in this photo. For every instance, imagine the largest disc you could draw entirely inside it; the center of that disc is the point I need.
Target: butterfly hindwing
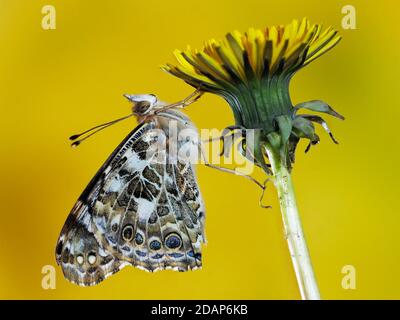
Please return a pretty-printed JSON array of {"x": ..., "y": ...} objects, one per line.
[{"x": 145, "y": 222}]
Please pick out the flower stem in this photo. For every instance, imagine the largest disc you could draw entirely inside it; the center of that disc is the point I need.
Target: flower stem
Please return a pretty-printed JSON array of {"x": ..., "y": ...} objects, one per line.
[{"x": 293, "y": 229}]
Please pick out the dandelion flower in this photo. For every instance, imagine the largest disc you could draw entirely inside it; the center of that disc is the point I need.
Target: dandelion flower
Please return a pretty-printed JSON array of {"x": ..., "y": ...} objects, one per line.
[{"x": 252, "y": 71}]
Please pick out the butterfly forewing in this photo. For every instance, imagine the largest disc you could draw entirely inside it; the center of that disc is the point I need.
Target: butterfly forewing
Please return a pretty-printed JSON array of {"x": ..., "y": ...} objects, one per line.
[{"x": 83, "y": 260}]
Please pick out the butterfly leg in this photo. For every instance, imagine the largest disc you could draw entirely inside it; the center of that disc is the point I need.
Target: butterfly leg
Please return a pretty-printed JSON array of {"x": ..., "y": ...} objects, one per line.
[
  {"x": 232, "y": 171},
  {"x": 262, "y": 195},
  {"x": 193, "y": 97},
  {"x": 227, "y": 170},
  {"x": 230, "y": 134},
  {"x": 228, "y": 131},
  {"x": 225, "y": 150}
]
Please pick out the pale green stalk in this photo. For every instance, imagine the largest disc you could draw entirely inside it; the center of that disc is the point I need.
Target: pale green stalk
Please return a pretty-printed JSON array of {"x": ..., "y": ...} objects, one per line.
[{"x": 294, "y": 230}]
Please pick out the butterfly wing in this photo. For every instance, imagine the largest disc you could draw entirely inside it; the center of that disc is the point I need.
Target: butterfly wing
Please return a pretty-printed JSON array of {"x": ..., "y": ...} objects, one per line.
[
  {"x": 150, "y": 212},
  {"x": 186, "y": 209},
  {"x": 138, "y": 210},
  {"x": 83, "y": 258}
]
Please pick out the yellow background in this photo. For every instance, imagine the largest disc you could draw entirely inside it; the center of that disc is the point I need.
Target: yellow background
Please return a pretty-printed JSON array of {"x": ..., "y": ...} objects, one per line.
[{"x": 58, "y": 82}]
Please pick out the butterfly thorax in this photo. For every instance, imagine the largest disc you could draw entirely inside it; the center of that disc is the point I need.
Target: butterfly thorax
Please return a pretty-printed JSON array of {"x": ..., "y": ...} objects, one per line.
[{"x": 163, "y": 117}]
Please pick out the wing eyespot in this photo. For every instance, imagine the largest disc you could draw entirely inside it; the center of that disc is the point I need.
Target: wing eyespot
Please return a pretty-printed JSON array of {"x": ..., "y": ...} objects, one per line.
[
  {"x": 80, "y": 259},
  {"x": 92, "y": 257},
  {"x": 114, "y": 227},
  {"x": 139, "y": 239},
  {"x": 127, "y": 233},
  {"x": 155, "y": 245},
  {"x": 65, "y": 257},
  {"x": 173, "y": 241}
]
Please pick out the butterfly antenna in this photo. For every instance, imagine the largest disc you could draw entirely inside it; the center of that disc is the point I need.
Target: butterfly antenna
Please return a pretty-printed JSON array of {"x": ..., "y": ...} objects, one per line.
[{"x": 95, "y": 129}]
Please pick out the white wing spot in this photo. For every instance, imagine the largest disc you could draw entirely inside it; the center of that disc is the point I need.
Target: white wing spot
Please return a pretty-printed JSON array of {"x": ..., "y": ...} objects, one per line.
[
  {"x": 115, "y": 185},
  {"x": 135, "y": 163},
  {"x": 92, "y": 258},
  {"x": 145, "y": 209}
]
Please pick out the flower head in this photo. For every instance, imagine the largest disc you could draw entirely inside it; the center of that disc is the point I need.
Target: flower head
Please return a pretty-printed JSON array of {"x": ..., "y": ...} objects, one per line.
[
  {"x": 252, "y": 71},
  {"x": 256, "y": 54}
]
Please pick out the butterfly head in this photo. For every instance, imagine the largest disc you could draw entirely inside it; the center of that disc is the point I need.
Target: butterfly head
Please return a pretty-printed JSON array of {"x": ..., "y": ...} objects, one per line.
[{"x": 143, "y": 104}]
